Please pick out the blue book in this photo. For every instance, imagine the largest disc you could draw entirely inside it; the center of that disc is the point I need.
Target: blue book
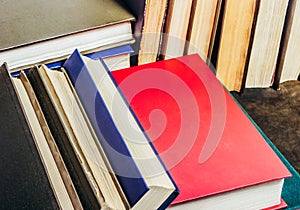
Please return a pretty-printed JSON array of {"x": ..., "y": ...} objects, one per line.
[{"x": 139, "y": 170}]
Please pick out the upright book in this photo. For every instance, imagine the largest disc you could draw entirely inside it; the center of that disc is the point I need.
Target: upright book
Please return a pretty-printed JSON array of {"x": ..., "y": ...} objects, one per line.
[
  {"x": 215, "y": 154},
  {"x": 289, "y": 57},
  {"x": 141, "y": 174},
  {"x": 266, "y": 41},
  {"x": 176, "y": 27},
  {"x": 202, "y": 27},
  {"x": 150, "y": 17},
  {"x": 38, "y": 31},
  {"x": 235, "y": 42},
  {"x": 30, "y": 175}
]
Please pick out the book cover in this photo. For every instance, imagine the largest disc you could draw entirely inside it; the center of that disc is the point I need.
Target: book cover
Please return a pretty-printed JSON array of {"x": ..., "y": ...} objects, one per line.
[
  {"x": 206, "y": 141},
  {"x": 139, "y": 171},
  {"x": 24, "y": 182}
]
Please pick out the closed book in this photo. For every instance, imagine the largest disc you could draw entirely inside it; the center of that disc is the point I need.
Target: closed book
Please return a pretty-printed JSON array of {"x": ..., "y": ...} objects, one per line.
[
  {"x": 215, "y": 154},
  {"x": 148, "y": 28},
  {"x": 140, "y": 172},
  {"x": 81, "y": 184},
  {"x": 176, "y": 28},
  {"x": 42, "y": 31},
  {"x": 115, "y": 58},
  {"x": 24, "y": 178}
]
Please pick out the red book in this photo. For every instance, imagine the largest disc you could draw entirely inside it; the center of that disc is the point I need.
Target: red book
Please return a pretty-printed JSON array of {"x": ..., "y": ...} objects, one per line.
[{"x": 213, "y": 151}]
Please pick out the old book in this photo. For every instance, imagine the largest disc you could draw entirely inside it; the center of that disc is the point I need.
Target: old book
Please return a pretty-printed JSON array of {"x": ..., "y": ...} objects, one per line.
[
  {"x": 29, "y": 175},
  {"x": 141, "y": 174},
  {"x": 216, "y": 155},
  {"x": 48, "y": 138},
  {"x": 83, "y": 139},
  {"x": 70, "y": 158},
  {"x": 38, "y": 31},
  {"x": 289, "y": 59},
  {"x": 266, "y": 42},
  {"x": 44, "y": 150},
  {"x": 234, "y": 42},
  {"x": 150, "y": 16},
  {"x": 176, "y": 26},
  {"x": 202, "y": 27}
]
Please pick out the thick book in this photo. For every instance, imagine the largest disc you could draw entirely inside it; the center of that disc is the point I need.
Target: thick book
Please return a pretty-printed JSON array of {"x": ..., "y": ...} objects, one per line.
[
  {"x": 148, "y": 28},
  {"x": 81, "y": 184},
  {"x": 83, "y": 140},
  {"x": 215, "y": 154},
  {"x": 29, "y": 175},
  {"x": 266, "y": 41},
  {"x": 41, "y": 31},
  {"x": 235, "y": 42},
  {"x": 139, "y": 170},
  {"x": 202, "y": 27},
  {"x": 289, "y": 56},
  {"x": 176, "y": 28}
]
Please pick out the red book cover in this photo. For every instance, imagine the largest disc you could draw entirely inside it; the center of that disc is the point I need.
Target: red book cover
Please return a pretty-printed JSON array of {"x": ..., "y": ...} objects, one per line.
[{"x": 206, "y": 141}]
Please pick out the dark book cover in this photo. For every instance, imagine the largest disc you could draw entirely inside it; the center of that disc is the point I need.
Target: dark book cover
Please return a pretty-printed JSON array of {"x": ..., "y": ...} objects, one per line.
[{"x": 24, "y": 183}]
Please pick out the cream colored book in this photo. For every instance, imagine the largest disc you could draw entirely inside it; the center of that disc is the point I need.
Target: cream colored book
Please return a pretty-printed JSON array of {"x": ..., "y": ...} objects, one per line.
[
  {"x": 234, "y": 42},
  {"x": 177, "y": 21},
  {"x": 266, "y": 42},
  {"x": 54, "y": 176},
  {"x": 289, "y": 66},
  {"x": 83, "y": 139},
  {"x": 202, "y": 27}
]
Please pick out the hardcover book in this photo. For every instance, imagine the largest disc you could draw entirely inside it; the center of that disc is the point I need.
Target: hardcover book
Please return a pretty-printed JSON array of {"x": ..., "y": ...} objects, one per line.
[
  {"x": 35, "y": 32},
  {"x": 138, "y": 168},
  {"x": 30, "y": 177},
  {"x": 215, "y": 154}
]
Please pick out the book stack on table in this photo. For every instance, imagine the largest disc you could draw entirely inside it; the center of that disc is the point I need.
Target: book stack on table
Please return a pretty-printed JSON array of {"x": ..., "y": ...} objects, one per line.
[{"x": 82, "y": 129}]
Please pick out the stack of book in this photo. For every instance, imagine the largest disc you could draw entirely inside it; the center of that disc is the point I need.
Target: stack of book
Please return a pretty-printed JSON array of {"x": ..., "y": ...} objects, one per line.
[
  {"x": 81, "y": 129},
  {"x": 35, "y": 32},
  {"x": 91, "y": 148}
]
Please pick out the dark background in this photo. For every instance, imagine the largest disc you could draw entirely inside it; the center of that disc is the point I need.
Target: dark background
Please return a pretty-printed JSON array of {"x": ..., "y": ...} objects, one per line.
[{"x": 277, "y": 113}]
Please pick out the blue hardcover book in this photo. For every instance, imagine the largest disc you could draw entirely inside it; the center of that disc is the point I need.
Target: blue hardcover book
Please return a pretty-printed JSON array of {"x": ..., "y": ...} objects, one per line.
[{"x": 139, "y": 170}]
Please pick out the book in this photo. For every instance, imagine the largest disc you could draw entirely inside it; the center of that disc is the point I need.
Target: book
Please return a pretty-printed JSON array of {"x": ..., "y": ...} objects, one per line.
[
  {"x": 140, "y": 172},
  {"x": 235, "y": 41},
  {"x": 288, "y": 62},
  {"x": 202, "y": 27},
  {"x": 30, "y": 177},
  {"x": 218, "y": 161},
  {"x": 176, "y": 26},
  {"x": 83, "y": 140},
  {"x": 60, "y": 134},
  {"x": 150, "y": 17},
  {"x": 115, "y": 58},
  {"x": 266, "y": 42},
  {"x": 51, "y": 30}
]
